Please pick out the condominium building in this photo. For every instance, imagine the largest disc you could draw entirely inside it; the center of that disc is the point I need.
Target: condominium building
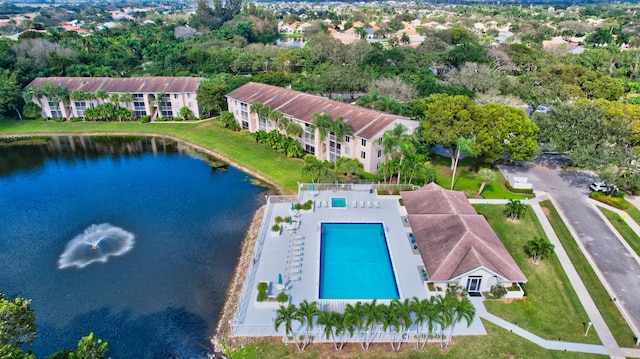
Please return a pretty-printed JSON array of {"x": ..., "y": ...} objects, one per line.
[
  {"x": 178, "y": 92},
  {"x": 369, "y": 125}
]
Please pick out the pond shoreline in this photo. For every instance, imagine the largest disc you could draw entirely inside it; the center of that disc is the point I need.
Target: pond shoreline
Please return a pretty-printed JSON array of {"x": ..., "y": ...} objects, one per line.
[{"x": 223, "y": 332}]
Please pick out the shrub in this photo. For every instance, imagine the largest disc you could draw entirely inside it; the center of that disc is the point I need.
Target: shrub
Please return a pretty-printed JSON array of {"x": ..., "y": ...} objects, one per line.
[
  {"x": 275, "y": 228},
  {"x": 31, "y": 110},
  {"x": 307, "y": 205},
  {"x": 262, "y": 296},
  {"x": 282, "y": 298},
  {"x": 75, "y": 119},
  {"x": 498, "y": 291},
  {"x": 177, "y": 119},
  {"x": 145, "y": 119},
  {"x": 227, "y": 120},
  {"x": 279, "y": 219},
  {"x": 161, "y": 119},
  {"x": 263, "y": 286},
  {"x": 40, "y": 119},
  {"x": 517, "y": 190},
  {"x": 58, "y": 119},
  {"x": 617, "y": 202}
]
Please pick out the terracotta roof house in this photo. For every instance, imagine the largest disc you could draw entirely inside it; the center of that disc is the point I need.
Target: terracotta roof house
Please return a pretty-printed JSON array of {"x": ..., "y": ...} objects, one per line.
[
  {"x": 457, "y": 245},
  {"x": 369, "y": 125},
  {"x": 178, "y": 92}
]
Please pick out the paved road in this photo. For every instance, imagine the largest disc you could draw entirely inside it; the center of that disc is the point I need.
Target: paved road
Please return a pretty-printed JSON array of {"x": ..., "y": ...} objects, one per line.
[{"x": 619, "y": 268}]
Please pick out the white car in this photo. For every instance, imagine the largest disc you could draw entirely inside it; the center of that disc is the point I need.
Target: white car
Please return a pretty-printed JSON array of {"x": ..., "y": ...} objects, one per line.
[{"x": 602, "y": 187}]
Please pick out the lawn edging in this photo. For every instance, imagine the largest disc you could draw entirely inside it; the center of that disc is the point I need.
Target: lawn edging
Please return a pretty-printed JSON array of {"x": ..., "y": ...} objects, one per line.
[{"x": 601, "y": 294}]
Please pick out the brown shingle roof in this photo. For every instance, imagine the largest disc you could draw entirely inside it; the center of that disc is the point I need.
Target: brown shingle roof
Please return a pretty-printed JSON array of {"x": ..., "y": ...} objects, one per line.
[
  {"x": 452, "y": 238},
  {"x": 132, "y": 85},
  {"x": 367, "y": 123},
  {"x": 433, "y": 199}
]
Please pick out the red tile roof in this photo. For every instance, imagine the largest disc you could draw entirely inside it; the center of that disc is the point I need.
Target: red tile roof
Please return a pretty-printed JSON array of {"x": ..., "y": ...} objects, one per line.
[
  {"x": 367, "y": 123},
  {"x": 121, "y": 85}
]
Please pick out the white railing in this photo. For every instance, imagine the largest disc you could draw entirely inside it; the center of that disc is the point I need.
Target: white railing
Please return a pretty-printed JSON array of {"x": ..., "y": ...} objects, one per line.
[
  {"x": 282, "y": 199},
  {"x": 358, "y": 186}
]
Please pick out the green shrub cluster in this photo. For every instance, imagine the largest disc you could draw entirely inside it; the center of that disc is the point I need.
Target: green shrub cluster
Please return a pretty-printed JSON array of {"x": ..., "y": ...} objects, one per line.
[
  {"x": 279, "y": 142},
  {"x": 262, "y": 291},
  {"x": 145, "y": 119},
  {"x": 613, "y": 201},
  {"x": 282, "y": 298},
  {"x": 303, "y": 206},
  {"x": 58, "y": 119},
  {"x": 498, "y": 291},
  {"x": 75, "y": 119},
  {"x": 517, "y": 190}
]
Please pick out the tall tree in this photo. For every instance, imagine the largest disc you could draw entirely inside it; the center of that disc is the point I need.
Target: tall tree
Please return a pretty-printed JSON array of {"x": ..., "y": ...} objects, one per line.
[
  {"x": 307, "y": 312},
  {"x": 333, "y": 323},
  {"x": 17, "y": 322},
  {"x": 9, "y": 92},
  {"x": 538, "y": 248},
  {"x": 285, "y": 316},
  {"x": 461, "y": 308},
  {"x": 90, "y": 348}
]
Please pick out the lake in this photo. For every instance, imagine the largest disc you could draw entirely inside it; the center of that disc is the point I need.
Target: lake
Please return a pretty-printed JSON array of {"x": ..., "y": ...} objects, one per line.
[{"x": 150, "y": 232}]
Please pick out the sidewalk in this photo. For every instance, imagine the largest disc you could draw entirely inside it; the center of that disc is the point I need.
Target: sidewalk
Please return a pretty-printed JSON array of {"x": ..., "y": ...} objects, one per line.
[{"x": 595, "y": 317}]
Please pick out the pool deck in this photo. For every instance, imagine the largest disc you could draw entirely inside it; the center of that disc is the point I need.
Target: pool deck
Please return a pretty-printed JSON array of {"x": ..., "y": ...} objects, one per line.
[{"x": 295, "y": 255}]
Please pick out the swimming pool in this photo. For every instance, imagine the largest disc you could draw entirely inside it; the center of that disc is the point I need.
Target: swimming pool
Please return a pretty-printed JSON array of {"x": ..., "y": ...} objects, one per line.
[
  {"x": 355, "y": 262},
  {"x": 338, "y": 202}
]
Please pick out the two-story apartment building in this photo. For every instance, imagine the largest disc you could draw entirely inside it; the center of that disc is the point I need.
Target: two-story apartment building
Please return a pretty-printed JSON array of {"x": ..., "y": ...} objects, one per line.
[
  {"x": 178, "y": 92},
  {"x": 369, "y": 125}
]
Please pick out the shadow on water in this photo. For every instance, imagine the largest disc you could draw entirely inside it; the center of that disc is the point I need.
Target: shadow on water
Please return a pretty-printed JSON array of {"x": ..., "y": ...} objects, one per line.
[
  {"x": 26, "y": 154},
  {"x": 171, "y": 333}
]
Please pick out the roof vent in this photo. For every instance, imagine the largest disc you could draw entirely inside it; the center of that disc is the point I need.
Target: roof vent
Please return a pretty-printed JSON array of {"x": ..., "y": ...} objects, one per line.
[
  {"x": 274, "y": 97},
  {"x": 168, "y": 82},
  {"x": 349, "y": 117},
  {"x": 325, "y": 111},
  {"x": 144, "y": 82},
  {"x": 84, "y": 82},
  {"x": 257, "y": 92},
  {"x": 59, "y": 83}
]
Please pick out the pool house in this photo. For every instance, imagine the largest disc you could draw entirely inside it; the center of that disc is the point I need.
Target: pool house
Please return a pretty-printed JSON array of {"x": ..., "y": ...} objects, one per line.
[{"x": 354, "y": 245}]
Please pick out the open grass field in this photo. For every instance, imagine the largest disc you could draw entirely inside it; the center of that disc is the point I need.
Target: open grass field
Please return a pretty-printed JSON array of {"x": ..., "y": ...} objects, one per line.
[
  {"x": 499, "y": 343},
  {"x": 616, "y": 323},
  {"x": 623, "y": 228},
  {"x": 551, "y": 309},
  {"x": 236, "y": 148},
  {"x": 469, "y": 182}
]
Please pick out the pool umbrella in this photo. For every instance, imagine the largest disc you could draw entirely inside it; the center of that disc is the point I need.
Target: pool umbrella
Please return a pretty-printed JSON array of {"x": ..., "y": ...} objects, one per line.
[
  {"x": 290, "y": 221},
  {"x": 279, "y": 278},
  {"x": 313, "y": 186},
  {"x": 293, "y": 207}
]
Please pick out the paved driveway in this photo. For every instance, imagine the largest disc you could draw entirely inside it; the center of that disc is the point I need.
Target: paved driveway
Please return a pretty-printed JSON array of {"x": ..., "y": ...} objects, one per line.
[{"x": 570, "y": 190}]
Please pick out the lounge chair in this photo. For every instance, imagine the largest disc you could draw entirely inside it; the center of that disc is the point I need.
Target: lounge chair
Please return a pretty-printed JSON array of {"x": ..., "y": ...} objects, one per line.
[
  {"x": 361, "y": 204},
  {"x": 369, "y": 204},
  {"x": 319, "y": 204},
  {"x": 295, "y": 270},
  {"x": 354, "y": 204},
  {"x": 377, "y": 204},
  {"x": 325, "y": 204},
  {"x": 295, "y": 278}
]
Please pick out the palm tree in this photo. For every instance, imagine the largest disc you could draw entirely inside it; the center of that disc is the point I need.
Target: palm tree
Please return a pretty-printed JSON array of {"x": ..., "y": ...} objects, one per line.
[
  {"x": 115, "y": 99},
  {"x": 397, "y": 142},
  {"x": 353, "y": 318},
  {"x": 101, "y": 95},
  {"x": 160, "y": 97},
  {"x": 402, "y": 311},
  {"x": 323, "y": 124},
  {"x": 333, "y": 326},
  {"x": 389, "y": 318},
  {"x": 286, "y": 315},
  {"x": 275, "y": 116},
  {"x": 538, "y": 248},
  {"x": 341, "y": 129},
  {"x": 487, "y": 175},
  {"x": 515, "y": 209},
  {"x": 372, "y": 315},
  {"x": 62, "y": 93},
  {"x": 461, "y": 309},
  {"x": 420, "y": 309},
  {"x": 33, "y": 93},
  {"x": 261, "y": 110},
  {"x": 348, "y": 166},
  {"x": 126, "y": 98},
  {"x": 307, "y": 312}
]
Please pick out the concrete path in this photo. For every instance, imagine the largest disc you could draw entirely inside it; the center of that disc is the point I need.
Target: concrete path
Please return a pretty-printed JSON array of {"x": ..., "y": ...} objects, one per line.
[{"x": 599, "y": 324}]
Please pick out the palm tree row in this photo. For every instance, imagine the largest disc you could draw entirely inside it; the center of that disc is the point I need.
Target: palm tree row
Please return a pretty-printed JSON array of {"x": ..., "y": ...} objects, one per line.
[{"x": 416, "y": 317}]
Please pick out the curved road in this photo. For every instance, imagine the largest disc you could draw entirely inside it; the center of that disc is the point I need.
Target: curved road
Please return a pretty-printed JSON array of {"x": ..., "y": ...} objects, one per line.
[{"x": 569, "y": 189}]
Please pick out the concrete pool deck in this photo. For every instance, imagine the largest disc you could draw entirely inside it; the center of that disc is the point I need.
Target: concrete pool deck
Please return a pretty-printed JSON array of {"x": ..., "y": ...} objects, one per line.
[{"x": 295, "y": 256}]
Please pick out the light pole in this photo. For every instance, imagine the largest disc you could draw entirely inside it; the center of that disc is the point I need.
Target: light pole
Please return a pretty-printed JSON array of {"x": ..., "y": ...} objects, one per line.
[{"x": 587, "y": 331}]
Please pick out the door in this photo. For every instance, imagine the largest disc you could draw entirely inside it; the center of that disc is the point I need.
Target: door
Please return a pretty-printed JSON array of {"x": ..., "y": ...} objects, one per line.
[{"x": 473, "y": 284}]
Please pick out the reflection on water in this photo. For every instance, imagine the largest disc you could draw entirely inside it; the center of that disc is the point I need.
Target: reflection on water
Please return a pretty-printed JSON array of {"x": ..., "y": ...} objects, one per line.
[
  {"x": 287, "y": 42},
  {"x": 160, "y": 299}
]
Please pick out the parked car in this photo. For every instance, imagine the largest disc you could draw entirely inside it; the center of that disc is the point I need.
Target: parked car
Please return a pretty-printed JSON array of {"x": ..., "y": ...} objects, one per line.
[{"x": 599, "y": 186}]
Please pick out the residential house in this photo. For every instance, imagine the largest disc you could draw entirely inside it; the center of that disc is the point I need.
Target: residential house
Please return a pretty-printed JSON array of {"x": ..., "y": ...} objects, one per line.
[
  {"x": 457, "y": 245},
  {"x": 178, "y": 92},
  {"x": 369, "y": 125}
]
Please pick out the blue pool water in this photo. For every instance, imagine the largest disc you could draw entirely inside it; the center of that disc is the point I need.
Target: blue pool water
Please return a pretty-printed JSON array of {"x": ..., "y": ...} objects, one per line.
[
  {"x": 355, "y": 262},
  {"x": 159, "y": 299},
  {"x": 338, "y": 202}
]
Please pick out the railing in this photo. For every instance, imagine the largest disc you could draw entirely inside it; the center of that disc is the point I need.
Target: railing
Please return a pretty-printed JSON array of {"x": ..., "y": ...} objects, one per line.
[
  {"x": 357, "y": 186},
  {"x": 282, "y": 199},
  {"x": 244, "y": 297}
]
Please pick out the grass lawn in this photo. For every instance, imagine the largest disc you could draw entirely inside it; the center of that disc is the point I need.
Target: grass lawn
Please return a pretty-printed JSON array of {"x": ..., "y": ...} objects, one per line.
[
  {"x": 551, "y": 309},
  {"x": 616, "y": 323},
  {"x": 498, "y": 343},
  {"x": 469, "y": 183},
  {"x": 634, "y": 213},
  {"x": 623, "y": 228},
  {"x": 235, "y": 147}
]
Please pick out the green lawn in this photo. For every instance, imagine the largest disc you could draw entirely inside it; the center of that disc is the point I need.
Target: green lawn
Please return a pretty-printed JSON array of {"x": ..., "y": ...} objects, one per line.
[
  {"x": 551, "y": 309},
  {"x": 468, "y": 182},
  {"x": 616, "y": 323},
  {"x": 634, "y": 213},
  {"x": 623, "y": 228},
  {"x": 235, "y": 147},
  {"x": 498, "y": 343}
]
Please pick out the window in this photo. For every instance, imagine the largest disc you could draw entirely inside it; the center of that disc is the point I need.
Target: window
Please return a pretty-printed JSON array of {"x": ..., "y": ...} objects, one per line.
[
  {"x": 364, "y": 143},
  {"x": 138, "y": 105},
  {"x": 175, "y": 96},
  {"x": 188, "y": 95},
  {"x": 380, "y": 141},
  {"x": 310, "y": 149},
  {"x": 165, "y": 107},
  {"x": 379, "y": 153},
  {"x": 245, "y": 125},
  {"x": 346, "y": 151},
  {"x": 54, "y": 107},
  {"x": 363, "y": 154},
  {"x": 346, "y": 138},
  {"x": 378, "y": 166},
  {"x": 81, "y": 106}
]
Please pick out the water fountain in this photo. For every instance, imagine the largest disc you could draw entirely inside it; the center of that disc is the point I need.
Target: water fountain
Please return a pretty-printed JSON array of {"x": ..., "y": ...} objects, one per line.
[{"x": 96, "y": 244}]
